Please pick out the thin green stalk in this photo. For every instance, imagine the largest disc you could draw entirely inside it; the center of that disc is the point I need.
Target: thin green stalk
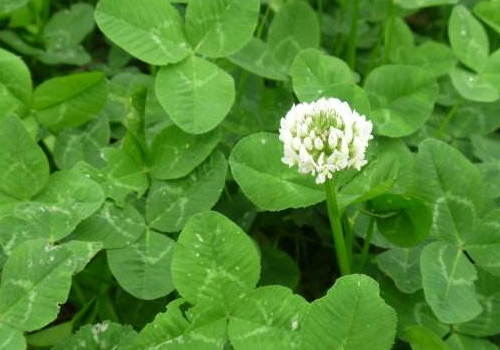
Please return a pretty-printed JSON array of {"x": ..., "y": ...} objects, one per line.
[
  {"x": 320, "y": 15},
  {"x": 389, "y": 29},
  {"x": 353, "y": 36},
  {"x": 349, "y": 237},
  {"x": 242, "y": 84},
  {"x": 368, "y": 241},
  {"x": 445, "y": 15},
  {"x": 336, "y": 227},
  {"x": 262, "y": 23},
  {"x": 374, "y": 55},
  {"x": 153, "y": 70},
  {"x": 449, "y": 117}
]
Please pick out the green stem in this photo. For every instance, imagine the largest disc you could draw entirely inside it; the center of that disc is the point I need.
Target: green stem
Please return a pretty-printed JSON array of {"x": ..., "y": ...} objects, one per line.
[
  {"x": 263, "y": 21},
  {"x": 153, "y": 70},
  {"x": 449, "y": 117},
  {"x": 445, "y": 16},
  {"x": 389, "y": 32},
  {"x": 336, "y": 227},
  {"x": 320, "y": 15},
  {"x": 374, "y": 55},
  {"x": 349, "y": 237},
  {"x": 242, "y": 84},
  {"x": 366, "y": 244},
  {"x": 353, "y": 36}
]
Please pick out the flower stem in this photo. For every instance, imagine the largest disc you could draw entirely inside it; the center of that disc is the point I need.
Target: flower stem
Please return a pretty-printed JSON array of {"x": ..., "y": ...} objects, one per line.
[
  {"x": 349, "y": 237},
  {"x": 388, "y": 33},
  {"x": 336, "y": 227},
  {"x": 368, "y": 240},
  {"x": 449, "y": 117},
  {"x": 320, "y": 14},
  {"x": 353, "y": 35}
]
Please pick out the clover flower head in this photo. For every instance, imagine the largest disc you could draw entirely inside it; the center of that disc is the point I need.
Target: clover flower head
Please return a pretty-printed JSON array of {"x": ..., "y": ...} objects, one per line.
[{"x": 324, "y": 137}]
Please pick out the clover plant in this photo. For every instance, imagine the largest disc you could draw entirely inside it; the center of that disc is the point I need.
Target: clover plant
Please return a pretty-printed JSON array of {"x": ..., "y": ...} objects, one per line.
[{"x": 249, "y": 174}]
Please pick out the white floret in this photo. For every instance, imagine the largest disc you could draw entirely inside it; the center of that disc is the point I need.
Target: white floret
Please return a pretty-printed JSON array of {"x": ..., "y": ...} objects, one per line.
[{"x": 324, "y": 137}]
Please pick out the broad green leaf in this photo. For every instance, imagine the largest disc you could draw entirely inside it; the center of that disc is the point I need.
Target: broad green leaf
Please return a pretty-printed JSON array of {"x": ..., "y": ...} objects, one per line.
[
  {"x": 25, "y": 169},
  {"x": 113, "y": 226},
  {"x": 278, "y": 268},
  {"x": 416, "y": 4},
  {"x": 295, "y": 27},
  {"x": 11, "y": 339},
  {"x": 120, "y": 105},
  {"x": 35, "y": 280},
  {"x": 68, "y": 198},
  {"x": 82, "y": 252},
  {"x": 491, "y": 177},
  {"x": 262, "y": 110},
  {"x": 15, "y": 84},
  {"x": 72, "y": 193},
  {"x": 8, "y": 6},
  {"x": 64, "y": 32},
  {"x": 257, "y": 168},
  {"x": 171, "y": 330},
  {"x": 196, "y": 94},
  {"x": 151, "y": 30},
  {"x": 472, "y": 86},
  {"x": 143, "y": 268},
  {"x": 171, "y": 203},
  {"x": 399, "y": 38},
  {"x": 489, "y": 13},
  {"x": 486, "y": 147},
  {"x": 258, "y": 58},
  {"x": 351, "y": 316},
  {"x": 412, "y": 309},
  {"x": 448, "y": 280},
  {"x": 75, "y": 145},
  {"x": 421, "y": 338},
  {"x": 101, "y": 336},
  {"x": 219, "y": 28},
  {"x": 435, "y": 58},
  {"x": 174, "y": 153},
  {"x": 374, "y": 180},
  {"x": 69, "y": 27},
  {"x": 483, "y": 243},
  {"x": 402, "y": 98},
  {"x": 70, "y": 101},
  {"x": 120, "y": 175},
  {"x": 475, "y": 118},
  {"x": 403, "y": 266},
  {"x": 486, "y": 324},
  {"x": 454, "y": 199},
  {"x": 268, "y": 318},
  {"x": 462, "y": 342},
  {"x": 215, "y": 263},
  {"x": 468, "y": 38},
  {"x": 491, "y": 72},
  {"x": 406, "y": 221},
  {"x": 385, "y": 151},
  {"x": 75, "y": 55},
  {"x": 316, "y": 75}
]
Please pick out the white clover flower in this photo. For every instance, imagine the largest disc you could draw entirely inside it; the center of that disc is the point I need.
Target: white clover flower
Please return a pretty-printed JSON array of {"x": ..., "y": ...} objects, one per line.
[{"x": 323, "y": 137}]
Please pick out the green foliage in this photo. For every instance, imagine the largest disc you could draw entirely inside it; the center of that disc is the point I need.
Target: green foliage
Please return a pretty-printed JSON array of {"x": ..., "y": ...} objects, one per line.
[
  {"x": 150, "y": 31},
  {"x": 145, "y": 205},
  {"x": 271, "y": 185},
  {"x": 195, "y": 93},
  {"x": 363, "y": 319},
  {"x": 25, "y": 169}
]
